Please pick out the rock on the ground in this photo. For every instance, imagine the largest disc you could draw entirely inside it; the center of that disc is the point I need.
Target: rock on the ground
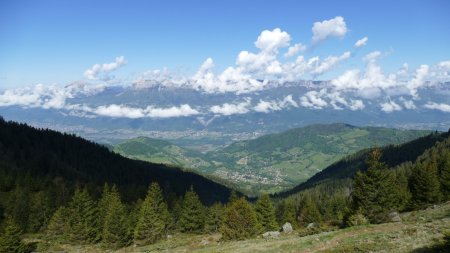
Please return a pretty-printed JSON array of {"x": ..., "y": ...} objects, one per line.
[
  {"x": 312, "y": 225},
  {"x": 287, "y": 228},
  {"x": 394, "y": 217},
  {"x": 271, "y": 234}
]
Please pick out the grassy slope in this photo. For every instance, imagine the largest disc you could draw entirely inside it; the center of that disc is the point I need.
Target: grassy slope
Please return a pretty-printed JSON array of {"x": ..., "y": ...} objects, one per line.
[
  {"x": 160, "y": 151},
  {"x": 418, "y": 232},
  {"x": 273, "y": 162},
  {"x": 393, "y": 155}
]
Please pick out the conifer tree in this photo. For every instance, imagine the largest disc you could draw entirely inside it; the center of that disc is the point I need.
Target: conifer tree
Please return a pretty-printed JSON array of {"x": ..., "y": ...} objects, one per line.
[
  {"x": 58, "y": 224},
  {"x": 40, "y": 212},
  {"x": 424, "y": 184},
  {"x": 286, "y": 212},
  {"x": 10, "y": 241},
  {"x": 214, "y": 218},
  {"x": 114, "y": 232},
  {"x": 309, "y": 213},
  {"x": 83, "y": 218},
  {"x": 233, "y": 197},
  {"x": 192, "y": 213},
  {"x": 444, "y": 173},
  {"x": 153, "y": 217},
  {"x": 103, "y": 204},
  {"x": 265, "y": 213},
  {"x": 374, "y": 191},
  {"x": 239, "y": 221}
]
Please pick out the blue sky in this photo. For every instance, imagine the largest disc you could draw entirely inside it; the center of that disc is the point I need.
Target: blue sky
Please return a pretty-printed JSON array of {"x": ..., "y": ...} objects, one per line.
[{"x": 54, "y": 42}]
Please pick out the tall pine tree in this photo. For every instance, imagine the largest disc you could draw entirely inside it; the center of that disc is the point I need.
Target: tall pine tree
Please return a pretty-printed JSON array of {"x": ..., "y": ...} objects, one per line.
[
  {"x": 115, "y": 234},
  {"x": 424, "y": 183},
  {"x": 265, "y": 213},
  {"x": 214, "y": 218},
  {"x": 153, "y": 217},
  {"x": 192, "y": 213},
  {"x": 374, "y": 191},
  {"x": 83, "y": 218},
  {"x": 10, "y": 241}
]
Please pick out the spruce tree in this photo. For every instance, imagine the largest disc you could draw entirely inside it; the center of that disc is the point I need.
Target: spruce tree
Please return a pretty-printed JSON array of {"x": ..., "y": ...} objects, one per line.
[
  {"x": 10, "y": 241},
  {"x": 114, "y": 234},
  {"x": 40, "y": 212},
  {"x": 214, "y": 218},
  {"x": 192, "y": 213},
  {"x": 309, "y": 212},
  {"x": 58, "y": 224},
  {"x": 265, "y": 213},
  {"x": 444, "y": 172},
  {"x": 286, "y": 212},
  {"x": 83, "y": 218},
  {"x": 239, "y": 221},
  {"x": 103, "y": 204},
  {"x": 233, "y": 197},
  {"x": 374, "y": 191},
  {"x": 424, "y": 184},
  {"x": 153, "y": 217}
]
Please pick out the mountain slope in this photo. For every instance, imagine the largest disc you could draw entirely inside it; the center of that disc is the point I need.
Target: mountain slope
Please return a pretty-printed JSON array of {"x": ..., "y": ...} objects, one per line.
[
  {"x": 38, "y": 156},
  {"x": 273, "y": 162},
  {"x": 160, "y": 151},
  {"x": 392, "y": 155}
]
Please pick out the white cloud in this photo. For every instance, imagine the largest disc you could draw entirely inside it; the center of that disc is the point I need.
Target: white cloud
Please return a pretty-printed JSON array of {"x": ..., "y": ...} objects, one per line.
[
  {"x": 270, "y": 41},
  {"x": 269, "y": 106},
  {"x": 335, "y": 27},
  {"x": 362, "y": 42},
  {"x": 123, "y": 111},
  {"x": 390, "y": 106},
  {"x": 183, "y": 110},
  {"x": 313, "y": 99},
  {"x": 230, "y": 109},
  {"x": 408, "y": 104},
  {"x": 328, "y": 63},
  {"x": 293, "y": 50},
  {"x": 356, "y": 105},
  {"x": 418, "y": 80},
  {"x": 101, "y": 71},
  {"x": 367, "y": 84},
  {"x": 372, "y": 56},
  {"x": 38, "y": 96},
  {"x": 438, "y": 106},
  {"x": 119, "y": 111}
]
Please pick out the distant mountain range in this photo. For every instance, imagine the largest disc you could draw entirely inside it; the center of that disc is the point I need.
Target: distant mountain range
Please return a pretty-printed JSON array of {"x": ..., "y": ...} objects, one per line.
[
  {"x": 113, "y": 113},
  {"x": 273, "y": 162}
]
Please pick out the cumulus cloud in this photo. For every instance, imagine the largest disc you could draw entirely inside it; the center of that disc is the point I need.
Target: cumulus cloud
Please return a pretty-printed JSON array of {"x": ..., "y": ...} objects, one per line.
[
  {"x": 369, "y": 83},
  {"x": 101, "y": 71},
  {"x": 390, "y": 106},
  {"x": 124, "y": 111},
  {"x": 230, "y": 109},
  {"x": 335, "y": 27},
  {"x": 270, "y": 41},
  {"x": 438, "y": 106},
  {"x": 418, "y": 80},
  {"x": 361, "y": 42},
  {"x": 272, "y": 105},
  {"x": 37, "y": 96},
  {"x": 313, "y": 99},
  {"x": 295, "y": 49},
  {"x": 328, "y": 63}
]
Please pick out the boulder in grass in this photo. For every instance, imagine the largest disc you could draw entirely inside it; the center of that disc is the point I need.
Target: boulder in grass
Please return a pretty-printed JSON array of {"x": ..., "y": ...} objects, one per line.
[
  {"x": 271, "y": 234},
  {"x": 394, "y": 217},
  {"x": 287, "y": 228}
]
